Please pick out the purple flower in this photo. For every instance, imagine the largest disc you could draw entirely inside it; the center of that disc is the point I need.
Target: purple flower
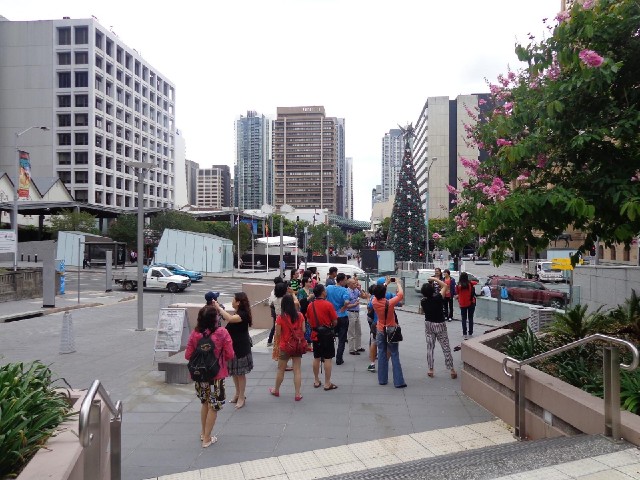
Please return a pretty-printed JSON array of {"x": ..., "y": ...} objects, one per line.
[
  {"x": 563, "y": 16},
  {"x": 588, "y": 4},
  {"x": 504, "y": 143},
  {"x": 590, "y": 58}
]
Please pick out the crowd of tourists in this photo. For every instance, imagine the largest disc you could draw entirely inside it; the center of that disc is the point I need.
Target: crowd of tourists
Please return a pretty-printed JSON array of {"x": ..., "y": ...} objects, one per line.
[{"x": 323, "y": 318}]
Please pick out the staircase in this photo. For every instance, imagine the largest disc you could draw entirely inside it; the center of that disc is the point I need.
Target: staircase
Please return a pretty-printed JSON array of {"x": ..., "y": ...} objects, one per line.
[{"x": 485, "y": 450}]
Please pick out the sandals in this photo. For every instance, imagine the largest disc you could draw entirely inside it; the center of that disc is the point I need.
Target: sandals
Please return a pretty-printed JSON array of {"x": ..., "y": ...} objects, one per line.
[
  {"x": 454, "y": 375},
  {"x": 210, "y": 442},
  {"x": 430, "y": 373},
  {"x": 330, "y": 387},
  {"x": 288, "y": 369},
  {"x": 234, "y": 400},
  {"x": 317, "y": 385},
  {"x": 274, "y": 392},
  {"x": 298, "y": 398}
]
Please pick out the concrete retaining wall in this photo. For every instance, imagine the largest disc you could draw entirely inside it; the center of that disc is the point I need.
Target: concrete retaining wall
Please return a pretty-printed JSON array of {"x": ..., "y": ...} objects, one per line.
[
  {"x": 604, "y": 285},
  {"x": 487, "y": 307},
  {"x": 571, "y": 410},
  {"x": 25, "y": 283}
]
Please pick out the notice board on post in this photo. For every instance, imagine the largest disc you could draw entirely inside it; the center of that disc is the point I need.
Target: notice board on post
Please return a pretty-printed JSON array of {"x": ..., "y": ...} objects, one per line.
[{"x": 172, "y": 332}]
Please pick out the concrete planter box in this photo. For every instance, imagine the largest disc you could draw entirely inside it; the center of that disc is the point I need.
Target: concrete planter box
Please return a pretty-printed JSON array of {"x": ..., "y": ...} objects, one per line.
[
  {"x": 25, "y": 283},
  {"x": 63, "y": 458},
  {"x": 554, "y": 408}
]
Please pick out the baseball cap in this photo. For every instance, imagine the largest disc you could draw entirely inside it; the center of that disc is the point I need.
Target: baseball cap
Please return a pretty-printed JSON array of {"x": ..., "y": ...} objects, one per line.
[
  {"x": 210, "y": 296},
  {"x": 381, "y": 280}
]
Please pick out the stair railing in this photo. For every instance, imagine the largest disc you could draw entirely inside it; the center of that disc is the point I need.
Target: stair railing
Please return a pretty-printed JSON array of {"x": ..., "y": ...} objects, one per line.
[
  {"x": 90, "y": 426},
  {"x": 611, "y": 379}
]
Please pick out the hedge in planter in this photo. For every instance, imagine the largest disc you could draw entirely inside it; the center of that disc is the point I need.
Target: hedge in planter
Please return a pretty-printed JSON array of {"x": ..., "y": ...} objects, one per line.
[{"x": 30, "y": 411}]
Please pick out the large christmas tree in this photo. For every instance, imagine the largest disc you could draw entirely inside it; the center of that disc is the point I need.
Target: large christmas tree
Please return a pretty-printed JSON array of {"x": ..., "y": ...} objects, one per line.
[{"x": 407, "y": 231}]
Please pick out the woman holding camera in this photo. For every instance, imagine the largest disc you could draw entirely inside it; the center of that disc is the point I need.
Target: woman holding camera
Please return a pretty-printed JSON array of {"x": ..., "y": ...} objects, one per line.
[
  {"x": 385, "y": 310},
  {"x": 435, "y": 326}
]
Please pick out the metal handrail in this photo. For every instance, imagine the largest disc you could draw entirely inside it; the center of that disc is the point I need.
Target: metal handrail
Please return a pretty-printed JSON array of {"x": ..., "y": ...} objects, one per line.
[
  {"x": 569, "y": 346},
  {"x": 611, "y": 381},
  {"x": 86, "y": 436},
  {"x": 264, "y": 300}
]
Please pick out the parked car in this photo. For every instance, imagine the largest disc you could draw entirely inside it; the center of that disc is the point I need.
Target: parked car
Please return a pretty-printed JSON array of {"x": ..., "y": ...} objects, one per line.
[
  {"x": 180, "y": 270},
  {"x": 526, "y": 291}
]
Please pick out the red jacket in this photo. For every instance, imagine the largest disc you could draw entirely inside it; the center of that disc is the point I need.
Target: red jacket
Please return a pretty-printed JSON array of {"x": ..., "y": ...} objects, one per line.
[{"x": 222, "y": 341}]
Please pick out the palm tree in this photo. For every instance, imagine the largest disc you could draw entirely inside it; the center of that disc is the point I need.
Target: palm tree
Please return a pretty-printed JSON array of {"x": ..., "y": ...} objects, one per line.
[
  {"x": 575, "y": 324},
  {"x": 628, "y": 315}
]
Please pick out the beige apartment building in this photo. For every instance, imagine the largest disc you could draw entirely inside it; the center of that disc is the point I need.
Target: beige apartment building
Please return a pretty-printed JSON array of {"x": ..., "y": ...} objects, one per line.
[
  {"x": 305, "y": 158},
  {"x": 214, "y": 187}
]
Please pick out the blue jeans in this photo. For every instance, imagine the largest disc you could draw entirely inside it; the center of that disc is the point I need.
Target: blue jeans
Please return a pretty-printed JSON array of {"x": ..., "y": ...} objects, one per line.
[
  {"x": 383, "y": 363},
  {"x": 341, "y": 331},
  {"x": 464, "y": 313}
]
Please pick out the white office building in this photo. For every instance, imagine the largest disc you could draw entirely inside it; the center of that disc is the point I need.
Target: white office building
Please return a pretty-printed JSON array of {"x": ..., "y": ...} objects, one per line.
[
  {"x": 392, "y": 152},
  {"x": 104, "y": 105},
  {"x": 439, "y": 143}
]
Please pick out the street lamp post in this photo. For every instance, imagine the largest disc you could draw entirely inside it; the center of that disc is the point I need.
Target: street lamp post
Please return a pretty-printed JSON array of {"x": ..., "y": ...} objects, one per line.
[
  {"x": 142, "y": 167},
  {"x": 426, "y": 216},
  {"x": 15, "y": 191}
]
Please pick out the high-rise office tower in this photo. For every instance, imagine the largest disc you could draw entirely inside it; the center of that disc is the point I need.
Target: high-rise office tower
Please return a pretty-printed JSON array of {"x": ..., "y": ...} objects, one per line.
[
  {"x": 105, "y": 105},
  {"x": 191, "y": 169},
  {"x": 214, "y": 187},
  {"x": 348, "y": 188},
  {"x": 341, "y": 186},
  {"x": 305, "y": 157},
  {"x": 253, "y": 170},
  {"x": 439, "y": 143},
  {"x": 392, "y": 151}
]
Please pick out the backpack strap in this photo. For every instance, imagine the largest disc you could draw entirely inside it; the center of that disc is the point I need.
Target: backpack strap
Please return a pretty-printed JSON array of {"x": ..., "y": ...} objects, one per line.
[
  {"x": 386, "y": 310},
  {"x": 315, "y": 315}
]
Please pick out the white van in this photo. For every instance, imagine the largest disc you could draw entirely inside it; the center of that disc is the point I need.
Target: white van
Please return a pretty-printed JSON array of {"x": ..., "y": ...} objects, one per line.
[{"x": 323, "y": 269}]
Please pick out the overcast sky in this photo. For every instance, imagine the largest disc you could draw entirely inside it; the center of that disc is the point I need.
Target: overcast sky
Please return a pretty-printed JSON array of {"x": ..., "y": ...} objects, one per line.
[{"x": 371, "y": 62}]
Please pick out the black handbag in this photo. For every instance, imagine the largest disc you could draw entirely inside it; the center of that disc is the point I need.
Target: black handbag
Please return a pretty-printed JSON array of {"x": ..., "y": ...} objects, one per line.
[
  {"x": 392, "y": 334},
  {"x": 323, "y": 331}
]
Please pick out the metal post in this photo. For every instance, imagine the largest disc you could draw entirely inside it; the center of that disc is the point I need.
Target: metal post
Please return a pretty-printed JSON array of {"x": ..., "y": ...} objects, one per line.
[
  {"x": 426, "y": 209},
  {"x": 327, "y": 251},
  {"x": 107, "y": 270},
  {"x": 611, "y": 381},
  {"x": 499, "y": 313},
  {"x": 306, "y": 246},
  {"x": 253, "y": 250},
  {"x": 281, "y": 246},
  {"x": 267, "y": 266},
  {"x": 238, "y": 229},
  {"x": 80, "y": 254},
  {"x": 520, "y": 404},
  {"x": 297, "y": 246},
  {"x": 140, "y": 247},
  {"x": 15, "y": 204}
]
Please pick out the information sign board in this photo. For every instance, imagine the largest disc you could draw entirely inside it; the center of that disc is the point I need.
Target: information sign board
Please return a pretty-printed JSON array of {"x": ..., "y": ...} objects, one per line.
[{"x": 172, "y": 333}]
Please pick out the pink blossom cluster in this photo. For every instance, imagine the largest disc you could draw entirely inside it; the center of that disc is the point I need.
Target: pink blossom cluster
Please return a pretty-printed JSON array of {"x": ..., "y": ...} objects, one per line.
[
  {"x": 542, "y": 161},
  {"x": 497, "y": 191},
  {"x": 590, "y": 58},
  {"x": 436, "y": 236},
  {"x": 524, "y": 176},
  {"x": 636, "y": 176},
  {"x": 462, "y": 221},
  {"x": 563, "y": 16},
  {"x": 452, "y": 190},
  {"x": 504, "y": 143},
  {"x": 553, "y": 73},
  {"x": 482, "y": 101},
  {"x": 482, "y": 240},
  {"x": 471, "y": 165},
  {"x": 588, "y": 4}
]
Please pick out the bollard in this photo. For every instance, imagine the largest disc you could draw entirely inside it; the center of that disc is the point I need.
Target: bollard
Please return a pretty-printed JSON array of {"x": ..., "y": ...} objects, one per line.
[
  {"x": 67, "y": 340},
  {"x": 36, "y": 258}
]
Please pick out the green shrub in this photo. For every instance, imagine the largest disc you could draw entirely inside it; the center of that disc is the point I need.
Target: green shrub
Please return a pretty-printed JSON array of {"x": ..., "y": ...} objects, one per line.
[
  {"x": 575, "y": 324},
  {"x": 630, "y": 391},
  {"x": 524, "y": 345},
  {"x": 30, "y": 411}
]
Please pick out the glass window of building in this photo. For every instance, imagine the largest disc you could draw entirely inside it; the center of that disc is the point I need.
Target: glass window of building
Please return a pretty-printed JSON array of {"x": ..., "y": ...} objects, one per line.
[
  {"x": 64, "y": 101},
  {"x": 82, "y": 58},
  {"x": 64, "y": 139},
  {"x": 82, "y": 35},
  {"x": 64, "y": 58},
  {"x": 81, "y": 158},
  {"x": 64, "y": 120},
  {"x": 64, "y": 175},
  {"x": 64, "y": 158},
  {"x": 64, "y": 36},
  {"x": 82, "y": 119},
  {"x": 64, "y": 79},
  {"x": 82, "y": 138},
  {"x": 82, "y": 100},
  {"x": 82, "y": 79}
]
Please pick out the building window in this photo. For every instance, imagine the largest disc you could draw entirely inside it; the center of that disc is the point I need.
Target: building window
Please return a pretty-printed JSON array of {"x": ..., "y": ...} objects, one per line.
[
  {"x": 64, "y": 101},
  {"x": 119, "y": 55},
  {"x": 109, "y": 68},
  {"x": 81, "y": 158},
  {"x": 64, "y": 158},
  {"x": 82, "y": 79},
  {"x": 98, "y": 104},
  {"x": 82, "y": 196},
  {"x": 64, "y": 120},
  {"x": 98, "y": 197},
  {"x": 64, "y": 79},
  {"x": 82, "y": 101},
  {"x": 82, "y": 58},
  {"x": 99, "y": 141},
  {"x": 64, "y": 36},
  {"x": 612, "y": 250},
  {"x": 65, "y": 176},
  {"x": 98, "y": 61},
  {"x": 82, "y": 35},
  {"x": 98, "y": 83},
  {"x": 82, "y": 177},
  {"x": 64, "y": 139},
  {"x": 64, "y": 58},
  {"x": 626, "y": 253},
  {"x": 82, "y": 138},
  {"x": 99, "y": 38},
  {"x": 98, "y": 159},
  {"x": 82, "y": 120},
  {"x": 109, "y": 48}
]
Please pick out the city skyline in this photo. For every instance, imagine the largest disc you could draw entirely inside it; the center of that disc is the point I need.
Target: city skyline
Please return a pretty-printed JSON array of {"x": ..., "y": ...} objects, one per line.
[{"x": 449, "y": 50}]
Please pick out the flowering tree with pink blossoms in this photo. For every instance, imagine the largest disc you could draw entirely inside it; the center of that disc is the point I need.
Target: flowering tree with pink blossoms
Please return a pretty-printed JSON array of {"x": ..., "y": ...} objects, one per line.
[{"x": 562, "y": 136}]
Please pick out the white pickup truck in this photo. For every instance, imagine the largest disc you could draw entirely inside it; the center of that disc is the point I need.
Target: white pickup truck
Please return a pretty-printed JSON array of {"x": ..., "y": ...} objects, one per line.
[
  {"x": 158, "y": 278},
  {"x": 541, "y": 270}
]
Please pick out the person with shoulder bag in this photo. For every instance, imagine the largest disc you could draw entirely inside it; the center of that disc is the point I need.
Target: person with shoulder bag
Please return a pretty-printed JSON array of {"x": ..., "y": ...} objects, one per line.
[
  {"x": 323, "y": 319},
  {"x": 435, "y": 327},
  {"x": 466, "y": 293},
  {"x": 388, "y": 333}
]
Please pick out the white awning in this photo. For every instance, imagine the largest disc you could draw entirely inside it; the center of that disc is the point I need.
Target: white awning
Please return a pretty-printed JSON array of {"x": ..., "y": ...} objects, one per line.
[{"x": 291, "y": 241}]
